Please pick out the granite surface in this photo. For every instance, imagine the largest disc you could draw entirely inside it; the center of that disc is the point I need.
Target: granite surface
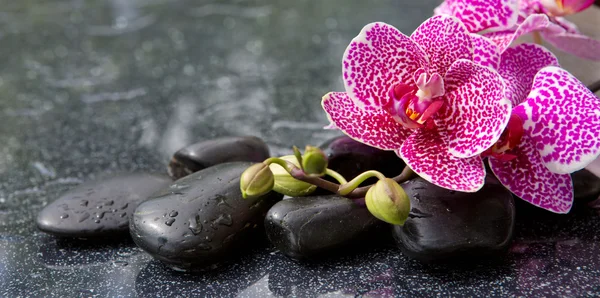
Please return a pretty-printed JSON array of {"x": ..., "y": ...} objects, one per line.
[{"x": 93, "y": 88}]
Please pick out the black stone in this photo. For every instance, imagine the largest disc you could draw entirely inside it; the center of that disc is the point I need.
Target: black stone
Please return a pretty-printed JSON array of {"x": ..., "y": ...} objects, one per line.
[
  {"x": 445, "y": 224},
  {"x": 350, "y": 158},
  {"x": 99, "y": 208},
  {"x": 205, "y": 154},
  {"x": 315, "y": 226},
  {"x": 586, "y": 185},
  {"x": 200, "y": 219}
]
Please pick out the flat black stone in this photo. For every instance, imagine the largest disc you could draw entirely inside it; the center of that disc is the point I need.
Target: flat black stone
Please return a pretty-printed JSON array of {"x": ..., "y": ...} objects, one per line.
[
  {"x": 586, "y": 186},
  {"x": 445, "y": 225},
  {"x": 99, "y": 208},
  {"x": 201, "y": 219},
  {"x": 205, "y": 154},
  {"x": 309, "y": 227}
]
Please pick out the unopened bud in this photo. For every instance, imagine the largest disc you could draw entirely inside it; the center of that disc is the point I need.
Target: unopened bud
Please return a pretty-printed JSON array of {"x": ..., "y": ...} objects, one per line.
[
  {"x": 387, "y": 201},
  {"x": 256, "y": 181},
  {"x": 314, "y": 161},
  {"x": 288, "y": 185}
]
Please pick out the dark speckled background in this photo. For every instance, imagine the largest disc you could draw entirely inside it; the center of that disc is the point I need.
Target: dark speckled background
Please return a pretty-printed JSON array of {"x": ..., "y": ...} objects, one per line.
[{"x": 90, "y": 88}]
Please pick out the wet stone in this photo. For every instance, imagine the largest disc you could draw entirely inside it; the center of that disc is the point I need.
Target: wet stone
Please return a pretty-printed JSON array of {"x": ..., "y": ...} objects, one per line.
[
  {"x": 205, "y": 154},
  {"x": 586, "y": 185},
  {"x": 350, "y": 158},
  {"x": 99, "y": 208},
  {"x": 203, "y": 218},
  {"x": 309, "y": 227},
  {"x": 445, "y": 225}
]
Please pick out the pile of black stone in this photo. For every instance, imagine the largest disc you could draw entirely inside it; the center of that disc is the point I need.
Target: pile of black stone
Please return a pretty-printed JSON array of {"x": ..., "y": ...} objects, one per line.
[{"x": 200, "y": 219}]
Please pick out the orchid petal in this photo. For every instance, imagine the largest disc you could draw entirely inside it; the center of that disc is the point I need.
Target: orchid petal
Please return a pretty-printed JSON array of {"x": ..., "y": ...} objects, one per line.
[
  {"x": 574, "y": 6},
  {"x": 562, "y": 117},
  {"x": 485, "y": 51},
  {"x": 479, "y": 15},
  {"x": 375, "y": 128},
  {"x": 532, "y": 23},
  {"x": 427, "y": 155},
  {"x": 519, "y": 66},
  {"x": 442, "y": 9},
  {"x": 475, "y": 112},
  {"x": 577, "y": 44},
  {"x": 375, "y": 60},
  {"x": 528, "y": 178},
  {"x": 445, "y": 39}
]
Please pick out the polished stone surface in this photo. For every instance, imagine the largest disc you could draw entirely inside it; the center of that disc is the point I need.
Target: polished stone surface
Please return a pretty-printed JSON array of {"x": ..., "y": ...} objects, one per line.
[{"x": 90, "y": 88}]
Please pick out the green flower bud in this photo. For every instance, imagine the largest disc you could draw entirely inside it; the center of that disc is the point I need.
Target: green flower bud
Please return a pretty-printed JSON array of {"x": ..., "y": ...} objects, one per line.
[
  {"x": 288, "y": 185},
  {"x": 388, "y": 202},
  {"x": 256, "y": 181},
  {"x": 314, "y": 161}
]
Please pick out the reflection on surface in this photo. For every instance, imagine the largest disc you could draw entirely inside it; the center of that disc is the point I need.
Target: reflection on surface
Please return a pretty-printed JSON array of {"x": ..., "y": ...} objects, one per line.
[{"x": 93, "y": 87}]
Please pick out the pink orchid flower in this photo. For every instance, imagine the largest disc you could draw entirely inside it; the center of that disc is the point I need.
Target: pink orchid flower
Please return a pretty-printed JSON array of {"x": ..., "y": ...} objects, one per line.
[
  {"x": 506, "y": 20},
  {"x": 553, "y": 129},
  {"x": 424, "y": 97}
]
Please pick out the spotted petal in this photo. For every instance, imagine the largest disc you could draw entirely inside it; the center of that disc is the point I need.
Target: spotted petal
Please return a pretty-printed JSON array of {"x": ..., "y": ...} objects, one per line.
[
  {"x": 576, "y": 44},
  {"x": 519, "y": 66},
  {"x": 475, "y": 111},
  {"x": 377, "y": 58},
  {"x": 528, "y": 178},
  {"x": 374, "y": 128},
  {"x": 562, "y": 117},
  {"x": 485, "y": 51},
  {"x": 445, "y": 39},
  {"x": 427, "y": 155},
  {"x": 532, "y": 23},
  {"x": 479, "y": 15}
]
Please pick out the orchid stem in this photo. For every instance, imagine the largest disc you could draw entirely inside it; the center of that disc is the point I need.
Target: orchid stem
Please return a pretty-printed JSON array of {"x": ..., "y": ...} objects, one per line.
[
  {"x": 347, "y": 188},
  {"x": 335, "y": 175}
]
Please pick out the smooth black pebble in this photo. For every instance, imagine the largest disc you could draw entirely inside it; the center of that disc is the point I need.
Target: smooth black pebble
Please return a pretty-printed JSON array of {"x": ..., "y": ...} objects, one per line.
[
  {"x": 315, "y": 226},
  {"x": 586, "y": 185},
  {"x": 446, "y": 225},
  {"x": 205, "y": 154},
  {"x": 201, "y": 219},
  {"x": 350, "y": 158},
  {"x": 99, "y": 208}
]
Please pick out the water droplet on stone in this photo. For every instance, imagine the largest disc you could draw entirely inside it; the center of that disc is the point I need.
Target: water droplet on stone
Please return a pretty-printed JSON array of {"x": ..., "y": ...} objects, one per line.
[
  {"x": 169, "y": 221},
  {"x": 194, "y": 226},
  {"x": 64, "y": 216},
  {"x": 224, "y": 219},
  {"x": 84, "y": 203},
  {"x": 123, "y": 214},
  {"x": 84, "y": 216},
  {"x": 120, "y": 263},
  {"x": 125, "y": 206},
  {"x": 204, "y": 246},
  {"x": 97, "y": 221},
  {"x": 109, "y": 203},
  {"x": 173, "y": 213}
]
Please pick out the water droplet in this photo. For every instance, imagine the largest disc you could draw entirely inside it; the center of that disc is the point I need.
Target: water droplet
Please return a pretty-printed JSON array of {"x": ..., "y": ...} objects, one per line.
[
  {"x": 84, "y": 216},
  {"x": 109, "y": 203},
  {"x": 417, "y": 197},
  {"x": 208, "y": 239},
  {"x": 120, "y": 263},
  {"x": 123, "y": 214},
  {"x": 204, "y": 246},
  {"x": 205, "y": 221},
  {"x": 99, "y": 206},
  {"x": 64, "y": 216},
  {"x": 84, "y": 203},
  {"x": 100, "y": 215},
  {"x": 448, "y": 209},
  {"x": 194, "y": 226},
  {"x": 124, "y": 206},
  {"x": 169, "y": 221},
  {"x": 97, "y": 221},
  {"x": 223, "y": 219},
  {"x": 173, "y": 213}
]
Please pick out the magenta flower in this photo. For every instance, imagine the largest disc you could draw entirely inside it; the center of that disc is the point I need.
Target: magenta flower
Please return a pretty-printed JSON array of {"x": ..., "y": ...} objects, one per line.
[
  {"x": 553, "y": 129},
  {"x": 424, "y": 97},
  {"x": 506, "y": 20}
]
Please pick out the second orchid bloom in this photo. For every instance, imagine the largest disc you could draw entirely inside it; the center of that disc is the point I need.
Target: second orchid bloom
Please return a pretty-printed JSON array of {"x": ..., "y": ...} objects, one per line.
[{"x": 444, "y": 99}]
